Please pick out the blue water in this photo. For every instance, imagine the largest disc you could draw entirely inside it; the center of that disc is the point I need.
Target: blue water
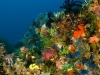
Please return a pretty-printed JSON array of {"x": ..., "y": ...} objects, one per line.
[{"x": 17, "y": 15}]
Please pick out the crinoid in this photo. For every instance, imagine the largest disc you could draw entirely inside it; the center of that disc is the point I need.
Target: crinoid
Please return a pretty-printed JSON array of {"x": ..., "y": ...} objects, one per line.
[{"x": 71, "y": 6}]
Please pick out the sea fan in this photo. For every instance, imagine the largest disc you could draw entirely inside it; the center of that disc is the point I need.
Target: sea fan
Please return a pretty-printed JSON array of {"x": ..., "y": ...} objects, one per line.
[{"x": 71, "y": 6}]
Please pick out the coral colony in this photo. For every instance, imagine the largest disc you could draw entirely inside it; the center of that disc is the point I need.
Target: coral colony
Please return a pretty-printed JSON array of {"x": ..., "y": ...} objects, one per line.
[{"x": 64, "y": 43}]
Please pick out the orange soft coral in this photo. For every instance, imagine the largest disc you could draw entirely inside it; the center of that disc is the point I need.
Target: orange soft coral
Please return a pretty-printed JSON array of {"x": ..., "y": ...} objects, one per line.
[
  {"x": 93, "y": 39},
  {"x": 79, "y": 32}
]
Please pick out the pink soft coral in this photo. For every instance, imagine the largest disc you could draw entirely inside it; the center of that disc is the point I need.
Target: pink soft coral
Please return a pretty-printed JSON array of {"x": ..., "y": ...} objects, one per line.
[{"x": 47, "y": 54}]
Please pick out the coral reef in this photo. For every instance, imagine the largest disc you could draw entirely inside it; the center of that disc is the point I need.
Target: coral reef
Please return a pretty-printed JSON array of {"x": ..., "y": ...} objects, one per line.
[{"x": 64, "y": 43}]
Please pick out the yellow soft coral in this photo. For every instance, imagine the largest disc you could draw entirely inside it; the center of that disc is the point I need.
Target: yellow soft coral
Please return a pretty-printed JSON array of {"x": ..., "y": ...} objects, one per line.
[{"x": 34, "y": 67}]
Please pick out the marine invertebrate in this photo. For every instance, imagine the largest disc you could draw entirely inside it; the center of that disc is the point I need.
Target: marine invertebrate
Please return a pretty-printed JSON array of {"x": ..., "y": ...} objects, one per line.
[
  {"x": 44, "y": 30},
  {"x": 49, "y": 54},
  {"x": 59, "y": 63},
  {"x": 48, "y": 24},
  {"x": 71, "y": 6},
  {"x": 51, "y": 48},
  {"x": 96, "y": 2},
  {"x": 68, "y": 66},
  {"x": 78, "y": 32},
  {"x": 94, "y": 39},
  {"x": 33, "y": 66},
  {"x": 62, "y": 27}
]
